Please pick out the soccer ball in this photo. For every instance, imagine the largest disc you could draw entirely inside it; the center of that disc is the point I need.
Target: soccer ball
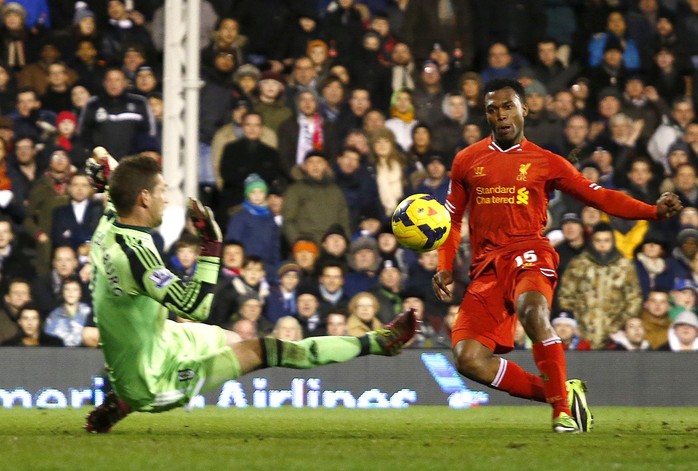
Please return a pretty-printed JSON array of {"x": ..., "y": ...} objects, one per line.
[{"x": 421, "y": 223}]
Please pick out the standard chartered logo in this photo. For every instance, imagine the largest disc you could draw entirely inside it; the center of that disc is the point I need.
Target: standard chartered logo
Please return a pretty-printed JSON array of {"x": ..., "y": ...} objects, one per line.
[
  {"x": 501, "y": 195},
  {"x": 522, "y": 196}
]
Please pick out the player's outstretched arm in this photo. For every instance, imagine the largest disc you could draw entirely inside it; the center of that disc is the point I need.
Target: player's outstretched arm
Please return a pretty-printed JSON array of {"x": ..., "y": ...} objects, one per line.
[
  {"x": 668, "y": 205},
  {"x": 613, "y": 202},
  {"x": 191, "y": 300}
]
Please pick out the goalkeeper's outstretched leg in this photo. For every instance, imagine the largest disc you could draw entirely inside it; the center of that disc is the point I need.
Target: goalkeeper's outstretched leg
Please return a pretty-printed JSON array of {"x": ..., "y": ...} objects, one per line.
[
  {"x": 316, "y": 351},
  {"x": 239, "y": 358}
]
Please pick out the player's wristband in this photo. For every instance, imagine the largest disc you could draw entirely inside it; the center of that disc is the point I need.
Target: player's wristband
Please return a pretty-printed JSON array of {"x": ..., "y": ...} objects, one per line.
[{"x": 211, "y": 248}]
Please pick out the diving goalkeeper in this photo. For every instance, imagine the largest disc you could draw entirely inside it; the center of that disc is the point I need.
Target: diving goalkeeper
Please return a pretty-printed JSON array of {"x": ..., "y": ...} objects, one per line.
[{"x": 155, "y": 364}]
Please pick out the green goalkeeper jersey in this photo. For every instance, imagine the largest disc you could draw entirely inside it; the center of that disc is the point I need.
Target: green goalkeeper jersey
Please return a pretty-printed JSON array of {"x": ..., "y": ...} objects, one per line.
[{"x": 132, "y": 291}]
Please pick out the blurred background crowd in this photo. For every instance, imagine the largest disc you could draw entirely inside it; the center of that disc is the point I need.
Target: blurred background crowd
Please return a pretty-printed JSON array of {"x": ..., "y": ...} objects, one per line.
[{"x": 316, "y": 118}]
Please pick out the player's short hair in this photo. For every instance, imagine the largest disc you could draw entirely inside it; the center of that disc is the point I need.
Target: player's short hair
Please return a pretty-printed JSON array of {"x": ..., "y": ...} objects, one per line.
[
  {"x": 133, "y": 175},
  {"x": 500, "y": 83}
]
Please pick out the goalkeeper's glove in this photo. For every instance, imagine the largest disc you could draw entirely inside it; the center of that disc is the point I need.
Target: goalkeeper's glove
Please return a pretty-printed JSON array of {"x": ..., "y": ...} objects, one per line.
[
  {"x": 98, "y": 168},
  {"x": 206, "y": 228}
]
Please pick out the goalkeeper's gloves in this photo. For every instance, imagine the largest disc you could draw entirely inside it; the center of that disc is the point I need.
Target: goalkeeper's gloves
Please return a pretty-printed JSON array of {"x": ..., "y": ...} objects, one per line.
[
  {"x": 98, "y": 168},
  {"x": 206, "y": 228}
]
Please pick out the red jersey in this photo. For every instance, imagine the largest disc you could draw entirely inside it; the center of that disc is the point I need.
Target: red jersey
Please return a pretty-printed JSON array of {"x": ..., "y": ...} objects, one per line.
[{"x": 506, "y": 192}]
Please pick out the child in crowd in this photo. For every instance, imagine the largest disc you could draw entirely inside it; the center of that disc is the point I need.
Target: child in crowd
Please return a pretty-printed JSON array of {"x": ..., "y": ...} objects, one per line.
[
  {"x": 282, "y": 297},
  {"x": 67, "y": 138},
  {"x": 253, "y": 225},
  {"x": 183, "y": 262},
  {"x": 251, "y": 283}
]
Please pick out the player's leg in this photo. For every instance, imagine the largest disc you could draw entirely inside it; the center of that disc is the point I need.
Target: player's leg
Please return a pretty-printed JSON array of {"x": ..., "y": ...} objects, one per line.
[
  {"x": 316, "y": 351},
  {"x": 478, "y": 362},
  {"x": 530, "y": 289},
  {"x": 532, "y": 307},
  {"x": 485, "y": 327},
  {"x": 534, "y": 314}
]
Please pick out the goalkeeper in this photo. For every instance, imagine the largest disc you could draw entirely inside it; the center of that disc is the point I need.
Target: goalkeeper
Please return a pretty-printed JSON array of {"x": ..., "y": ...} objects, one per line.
[{"x": 155, "y": 364}]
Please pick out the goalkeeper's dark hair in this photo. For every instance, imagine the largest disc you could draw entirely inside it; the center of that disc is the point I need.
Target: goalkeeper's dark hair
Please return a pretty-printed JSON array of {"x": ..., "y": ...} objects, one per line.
[
  {"x": 500, "y": 83},
  {"x": 133, "y": 175}
]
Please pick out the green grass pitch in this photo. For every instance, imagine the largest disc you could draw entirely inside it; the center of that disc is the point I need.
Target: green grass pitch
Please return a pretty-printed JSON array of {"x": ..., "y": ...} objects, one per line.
[{"x": 418, "y": 438}]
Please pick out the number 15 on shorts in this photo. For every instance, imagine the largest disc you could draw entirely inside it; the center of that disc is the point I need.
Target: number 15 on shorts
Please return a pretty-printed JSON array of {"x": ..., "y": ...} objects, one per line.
[{"x": 528, "y": 259}]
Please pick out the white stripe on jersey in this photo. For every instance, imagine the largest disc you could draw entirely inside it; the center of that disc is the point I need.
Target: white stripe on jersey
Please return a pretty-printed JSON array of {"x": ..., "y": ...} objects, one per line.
[{"x": 167, "y": 397}]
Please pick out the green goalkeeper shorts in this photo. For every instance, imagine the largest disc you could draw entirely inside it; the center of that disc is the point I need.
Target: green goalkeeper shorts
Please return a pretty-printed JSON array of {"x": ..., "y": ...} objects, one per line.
[{"x": 196, "y": 359}]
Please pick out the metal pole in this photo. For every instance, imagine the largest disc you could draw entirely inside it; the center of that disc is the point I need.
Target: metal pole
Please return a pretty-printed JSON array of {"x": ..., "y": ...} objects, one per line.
[
  {"x": 192, "y": 84},
  {"x": 172, "y": 101}
]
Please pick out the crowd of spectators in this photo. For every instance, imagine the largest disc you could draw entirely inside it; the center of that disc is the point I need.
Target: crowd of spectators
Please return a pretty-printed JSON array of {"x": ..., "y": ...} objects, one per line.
[{"x": 316, "y": 118}]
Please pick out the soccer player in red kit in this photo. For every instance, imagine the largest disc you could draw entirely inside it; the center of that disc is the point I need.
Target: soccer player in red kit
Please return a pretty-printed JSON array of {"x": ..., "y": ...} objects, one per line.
[{"x": 504, "y": 181}]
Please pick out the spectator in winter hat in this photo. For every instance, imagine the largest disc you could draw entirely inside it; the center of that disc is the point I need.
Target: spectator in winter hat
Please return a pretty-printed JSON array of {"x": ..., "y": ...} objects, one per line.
[
  {"x": 305, "y": 253},
  {"x": 253, "y": 224},
  {"x": 334, "y": 246},
  {"x": 246, "y": 77},
  {"x": 683, "y": 334},
  {"x": 66, "y": 125},
  {"x": 682, "y": 297},
  {"x": 282, "y": 296},
  {"x": 683, "y": 253},
  {"x": 565, "y": 326}
]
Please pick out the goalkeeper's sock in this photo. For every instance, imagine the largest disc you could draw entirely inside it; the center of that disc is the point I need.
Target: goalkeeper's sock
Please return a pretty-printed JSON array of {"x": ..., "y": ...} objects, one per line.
[
  {"x": 316, "y": 351},
  {"x": 550, "y": 358},
  {"x": 518, "y": 382}
]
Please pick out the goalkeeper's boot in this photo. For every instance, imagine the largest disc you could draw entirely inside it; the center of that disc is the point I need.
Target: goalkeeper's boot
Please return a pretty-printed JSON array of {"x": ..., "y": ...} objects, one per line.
[
  {"x": 576, "y": 396},
  {"x": 564, "y": 423},
  {"x": 397, "y": 333},
  {"x": 103, "y": 417}
]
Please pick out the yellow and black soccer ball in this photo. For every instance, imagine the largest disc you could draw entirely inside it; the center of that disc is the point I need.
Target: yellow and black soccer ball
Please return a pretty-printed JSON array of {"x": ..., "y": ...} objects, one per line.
[{"x": 421, "y": 223}]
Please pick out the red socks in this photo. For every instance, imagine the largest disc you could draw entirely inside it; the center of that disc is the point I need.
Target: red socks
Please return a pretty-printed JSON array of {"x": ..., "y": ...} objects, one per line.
[
  {"x": 550, "y": 358},
  {"x": 518, "y": 382}
]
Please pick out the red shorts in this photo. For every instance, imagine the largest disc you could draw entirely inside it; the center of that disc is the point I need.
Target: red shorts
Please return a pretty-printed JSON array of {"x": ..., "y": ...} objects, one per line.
[{"x": 487, "y": 313}]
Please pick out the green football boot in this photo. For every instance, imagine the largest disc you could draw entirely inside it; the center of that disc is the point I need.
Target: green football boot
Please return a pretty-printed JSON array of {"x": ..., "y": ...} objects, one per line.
[
  {"x": 576, "y": 396},
  {"x": 563, "y": 423}
]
